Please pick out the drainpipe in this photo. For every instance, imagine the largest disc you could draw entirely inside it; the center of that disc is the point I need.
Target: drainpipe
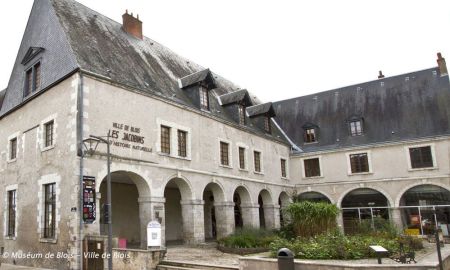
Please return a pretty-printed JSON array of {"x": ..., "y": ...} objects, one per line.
[{"x": 80, "y": 133}]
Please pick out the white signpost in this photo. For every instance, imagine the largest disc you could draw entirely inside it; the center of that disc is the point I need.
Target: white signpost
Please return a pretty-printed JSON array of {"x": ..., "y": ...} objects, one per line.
[{"x": 153, "y": 234}]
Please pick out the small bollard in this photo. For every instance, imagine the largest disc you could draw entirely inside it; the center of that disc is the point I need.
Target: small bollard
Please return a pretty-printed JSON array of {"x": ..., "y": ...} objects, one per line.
[{"x": 285, "y": 259}]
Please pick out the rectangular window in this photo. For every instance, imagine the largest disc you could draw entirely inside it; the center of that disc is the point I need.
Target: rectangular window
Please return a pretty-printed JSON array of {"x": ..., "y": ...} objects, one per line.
[
  {"x": 11, "y": 230},
  {"x": 310, "y": 135},
  {"x": 48, "y": 136},
  {"x": 283, "y": 168},
  {"x": 204, "y": 98},
  {"x": 182, "y": 137},
  {"x": 257, "y": 160},
  {"x": 242, "y": 158},
  {"x": 421, "y": 157},
  {"x": 267, "y": 126},
  {"x": 312, "y": 167},
  {"x": 356, "y": 128},
  {"x": 13, "y": 149},
  {"x": 49, "y": 210},
  {"x": 165, "y": 140},
  {"x": 359, "y": 163},
  {"x": 224, "y": 160},
  {"x": 32, "y": 79},
  {"x": 241, "y": 110}
]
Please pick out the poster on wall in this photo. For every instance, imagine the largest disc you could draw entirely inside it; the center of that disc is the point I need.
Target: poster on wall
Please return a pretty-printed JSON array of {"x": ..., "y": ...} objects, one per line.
[{"x": 88, "y": 199}]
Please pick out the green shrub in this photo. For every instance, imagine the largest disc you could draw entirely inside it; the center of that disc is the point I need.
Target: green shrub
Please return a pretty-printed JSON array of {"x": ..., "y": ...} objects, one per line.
[
  {"x": 312, "y": 218},
  {"x": 249, "y": 238}
]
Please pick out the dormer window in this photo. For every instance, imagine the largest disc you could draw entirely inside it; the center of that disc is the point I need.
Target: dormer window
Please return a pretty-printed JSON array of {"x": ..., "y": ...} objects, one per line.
[
  {"x": 356, "y": 127},
  {"x": 32, "y": 79},
  {"x": 241, "y": 112},
  {"x": 204, "y": 98},
  {"x": 310, "y": 135},
  {"x": 267, "y": 126}
]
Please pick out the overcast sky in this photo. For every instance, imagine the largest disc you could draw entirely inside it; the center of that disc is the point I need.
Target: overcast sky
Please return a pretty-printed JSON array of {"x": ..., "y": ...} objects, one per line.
[{"x": 277, "y": 49}]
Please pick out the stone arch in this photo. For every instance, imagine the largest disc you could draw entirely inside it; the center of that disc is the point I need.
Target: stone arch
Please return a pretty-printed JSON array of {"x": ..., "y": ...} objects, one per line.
[
  {"x": 128, "y": 188},
  {"x": 283, "y": 199},
  {"x": 317, "y": 192},
  {"x": 325, "y": 194},
  {"x": 214, "y": 218},
  {"x": 244, "y": 210},
  {"x": 268, "y": 216},
  {"x": 404, "y": 190},
  {"x": 386, "y": 195},
  {"x": 183, "y": 184}
]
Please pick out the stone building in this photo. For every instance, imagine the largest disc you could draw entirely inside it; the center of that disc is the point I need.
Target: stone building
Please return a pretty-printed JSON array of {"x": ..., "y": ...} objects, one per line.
[{"x": 191, "y": 149}]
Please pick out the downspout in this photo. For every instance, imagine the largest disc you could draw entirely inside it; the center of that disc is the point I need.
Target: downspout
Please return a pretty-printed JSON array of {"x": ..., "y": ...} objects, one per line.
[{"x": 80, "y": 103}]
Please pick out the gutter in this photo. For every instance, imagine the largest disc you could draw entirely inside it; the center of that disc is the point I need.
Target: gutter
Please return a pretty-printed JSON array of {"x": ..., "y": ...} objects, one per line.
[{"x": 80, "y": 113}]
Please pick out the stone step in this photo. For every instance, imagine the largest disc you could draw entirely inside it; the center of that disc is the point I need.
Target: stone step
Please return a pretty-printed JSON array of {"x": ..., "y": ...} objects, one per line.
[{"x": 178, "y": 265}]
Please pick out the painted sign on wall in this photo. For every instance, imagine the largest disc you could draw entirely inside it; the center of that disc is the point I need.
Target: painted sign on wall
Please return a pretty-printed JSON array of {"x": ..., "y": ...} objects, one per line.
[{"x": 127, "y": 136}]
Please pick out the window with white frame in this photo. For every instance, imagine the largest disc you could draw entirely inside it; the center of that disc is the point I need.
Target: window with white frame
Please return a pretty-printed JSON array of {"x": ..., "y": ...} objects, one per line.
[
  {"x": 224, "y": 154},
  {"x": 49, "y": 133},
  {"x": 11, "y": 213},
  {"x": 359, "y": 163},
  {"x": 257, "y": 161},
  {"x": 242, "y": 162},
  {"x": 311, "y": 167},
  {"x": 13, "y": 148},
  {"x": 283, "y": 168},
  {"x": 49, "y": 221},
  {"x": 421, "y": 157}
]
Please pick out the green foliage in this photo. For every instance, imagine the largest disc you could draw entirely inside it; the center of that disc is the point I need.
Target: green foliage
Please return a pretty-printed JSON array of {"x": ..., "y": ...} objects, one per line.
[
  {"x": 379, "y": 226},
  {"x": 335, "y": 245},
  {"x": 249, "y": 238},
  {"x": 312, "y": 218}
]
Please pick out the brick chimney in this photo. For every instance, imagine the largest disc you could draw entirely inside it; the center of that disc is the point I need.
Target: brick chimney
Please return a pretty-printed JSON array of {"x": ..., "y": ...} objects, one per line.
[
  {"x": 132, "y": 25},
  {"x": 380, "y": 75},
  {"x": 442, "y": 65}
]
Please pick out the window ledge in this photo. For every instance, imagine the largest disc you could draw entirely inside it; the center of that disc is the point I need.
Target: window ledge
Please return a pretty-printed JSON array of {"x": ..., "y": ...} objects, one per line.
[
  {"x": 48, "y": 240},
  {"x": 13, "y": 238},
  {"x": 423, "y": 169},
  {"x": 47, "y": 148},
  {"x": 308, "y": 143},
  {"x": 285, "y": 178},
  {"x": 313, "y": 177},
  {"x": 171, "y": 156},
  {"x": 226, "y": 166},
  {"x": 11, "y": 160},
  {"x": 260, "y": 173},
  {"x": 206, "y": 111},
  {"x": 361, "y": 173},
  {"x": 243, "y": 170}
]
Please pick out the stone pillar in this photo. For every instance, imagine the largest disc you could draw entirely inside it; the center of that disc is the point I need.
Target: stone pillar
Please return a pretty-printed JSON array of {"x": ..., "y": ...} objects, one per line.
[
  {"x": 224, "y": 218},
  {"x": 250, "y": 215},
  {"x": 193, "y": 221},
  {"x": 272, "y": 216},
  {"x": 396, "y": 217},
  {"x": 151, "y": 208},
  {"x": 340, "y": 221}
]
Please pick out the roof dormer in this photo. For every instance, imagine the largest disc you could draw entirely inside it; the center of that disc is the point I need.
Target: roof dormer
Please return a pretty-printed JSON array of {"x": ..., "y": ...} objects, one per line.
[
  {"x": 263, "y": 114},
  {"x": 235, "y": 103},
  {"x": 30, "y": 54},
  {"x": 197, "y": 87}
]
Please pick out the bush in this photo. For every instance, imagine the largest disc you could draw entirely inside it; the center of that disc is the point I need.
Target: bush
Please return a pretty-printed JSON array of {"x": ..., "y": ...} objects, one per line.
[
  {"x": 334, "y": 245},
  {"x": 312, "y": 218},
  {"x": 249, "y": 238}
]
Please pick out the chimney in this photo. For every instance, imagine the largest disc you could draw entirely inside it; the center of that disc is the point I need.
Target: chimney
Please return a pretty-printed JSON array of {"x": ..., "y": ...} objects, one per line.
[
  {"x": 441, "y": 65},
  {"x": 380, "y": 75},
  {"x": 132, "y": 25}
]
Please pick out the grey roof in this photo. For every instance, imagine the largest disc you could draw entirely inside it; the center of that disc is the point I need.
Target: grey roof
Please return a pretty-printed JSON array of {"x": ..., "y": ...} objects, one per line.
[
  {"x": 234, "y": 97},
  {"x": 75, "y": 37},
  {"x": 403, "y": 107},
  {"x": 200, "y": 76},
  {"x": 265, "y": 108},
  {"x": 2, "y": 96}
]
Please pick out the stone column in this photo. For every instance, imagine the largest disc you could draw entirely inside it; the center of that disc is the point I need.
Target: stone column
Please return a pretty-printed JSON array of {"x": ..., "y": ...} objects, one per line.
[
  {"x": 193, "y": 221},
  {"x": 396, "y": 217},
  {"x": 272, "y": 216},
  {"x": 151, "y": 208},
  {"x": 340, "y": 221},
  {"x": 250, "y": 215},
  {"x": 224, "y": 218}
]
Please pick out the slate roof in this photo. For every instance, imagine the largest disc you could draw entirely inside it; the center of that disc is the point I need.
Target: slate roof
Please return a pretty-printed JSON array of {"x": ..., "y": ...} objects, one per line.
[
  {"x": 234, "y": 97},
  {"x": 90, "y": 41},
  {"x": 265, "y": 108},
  {"x": 398, "y": 108},
  {"x": 2, "y": 96}
]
